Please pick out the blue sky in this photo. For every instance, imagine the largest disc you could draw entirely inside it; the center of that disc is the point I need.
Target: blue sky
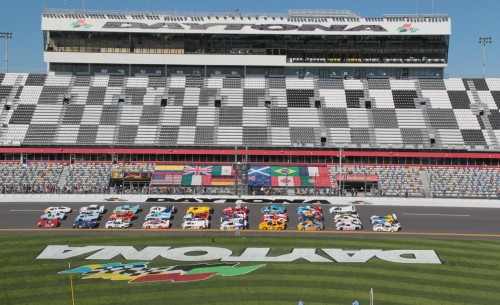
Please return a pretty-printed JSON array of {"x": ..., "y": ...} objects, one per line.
[{"x": 470, "y": 20}]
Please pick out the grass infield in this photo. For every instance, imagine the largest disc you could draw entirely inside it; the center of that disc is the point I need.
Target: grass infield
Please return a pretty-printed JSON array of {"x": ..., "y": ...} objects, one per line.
[{"x": 470, "y": 273}]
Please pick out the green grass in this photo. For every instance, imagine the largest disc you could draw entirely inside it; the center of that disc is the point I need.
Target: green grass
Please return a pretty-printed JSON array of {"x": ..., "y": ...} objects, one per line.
[{"x": 470, "y": 273}]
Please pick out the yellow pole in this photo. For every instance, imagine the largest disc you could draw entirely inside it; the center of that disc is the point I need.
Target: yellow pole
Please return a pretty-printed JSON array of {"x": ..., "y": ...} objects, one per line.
[{"x": 71, "y": 285}]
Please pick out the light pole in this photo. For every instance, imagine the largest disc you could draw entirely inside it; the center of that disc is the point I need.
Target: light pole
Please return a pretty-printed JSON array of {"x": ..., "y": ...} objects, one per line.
[
  {"x": 6, "y": 36},
  {"x": 484, "y": 41}
]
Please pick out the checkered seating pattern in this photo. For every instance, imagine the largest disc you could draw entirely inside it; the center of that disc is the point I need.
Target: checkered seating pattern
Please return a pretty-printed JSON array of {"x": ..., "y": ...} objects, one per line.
[{"x": 396, "y": 118}]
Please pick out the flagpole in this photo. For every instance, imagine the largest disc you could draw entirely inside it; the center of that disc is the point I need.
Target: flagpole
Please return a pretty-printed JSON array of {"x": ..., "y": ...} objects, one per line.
[
  {"x": 371, "y": 296},
  {"x": 71, "y": 285}
]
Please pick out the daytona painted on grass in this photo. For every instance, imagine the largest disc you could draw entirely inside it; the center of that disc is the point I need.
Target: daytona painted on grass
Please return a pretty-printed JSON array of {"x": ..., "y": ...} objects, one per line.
[{"x": 469, "y": 273}]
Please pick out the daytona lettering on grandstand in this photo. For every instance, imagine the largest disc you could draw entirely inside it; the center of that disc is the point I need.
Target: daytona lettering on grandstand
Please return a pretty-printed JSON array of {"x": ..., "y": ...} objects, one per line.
[{"x": 313, "y": 255}]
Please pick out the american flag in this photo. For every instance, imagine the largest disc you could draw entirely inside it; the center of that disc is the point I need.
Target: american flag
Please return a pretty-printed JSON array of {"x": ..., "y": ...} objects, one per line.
[{"x": 197, "y": 170}]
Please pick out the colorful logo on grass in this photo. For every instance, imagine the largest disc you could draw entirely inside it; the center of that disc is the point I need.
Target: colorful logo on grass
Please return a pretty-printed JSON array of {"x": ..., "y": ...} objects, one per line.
[
  {"x": 408, "y": 27},
  {"x": 140, "y": 273},
  {"x": 81, "y": 23}
]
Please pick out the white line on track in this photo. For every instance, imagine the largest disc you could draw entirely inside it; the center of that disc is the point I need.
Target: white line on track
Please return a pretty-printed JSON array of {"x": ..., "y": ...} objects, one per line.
[
  {"x": 26, "y": 210},
  {"x": 450, "y": 215}
]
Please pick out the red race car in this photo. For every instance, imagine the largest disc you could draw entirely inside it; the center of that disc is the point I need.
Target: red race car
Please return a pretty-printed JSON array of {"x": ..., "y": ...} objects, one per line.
[
  {"x": 277, "y": 217},
  {"x": 44, "y": 223},
  {"x": 237, "y": 209},
  {"x": 126, "y": 215}
]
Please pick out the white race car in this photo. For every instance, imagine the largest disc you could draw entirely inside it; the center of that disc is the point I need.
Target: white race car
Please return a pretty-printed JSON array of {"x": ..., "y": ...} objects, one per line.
[
  {"x": 156, "y": 224},
  {"x": 347, "y": 218},
  {"x": 348, "y": 226},
  {"x": 57, "y": 210},
  {"x": 387, "y": 227},
  {"x": 234, "y": 224},
  {"x": 118, "y": 223},
  {"x": 93, "y": 208},
  {"x": 52, "y": 216},
  {"x": 195, "y": 224},
  {"x": 350, "y": 209}
]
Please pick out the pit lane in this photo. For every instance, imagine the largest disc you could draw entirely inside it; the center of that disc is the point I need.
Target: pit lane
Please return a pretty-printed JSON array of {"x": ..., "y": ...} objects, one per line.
[{"x": 433, "y": 222}]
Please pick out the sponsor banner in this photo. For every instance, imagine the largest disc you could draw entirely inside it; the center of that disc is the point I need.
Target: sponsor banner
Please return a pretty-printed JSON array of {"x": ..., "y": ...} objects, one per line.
[
  {"x": 205, "y": 253},
  {"x": 356, "y": 178}
]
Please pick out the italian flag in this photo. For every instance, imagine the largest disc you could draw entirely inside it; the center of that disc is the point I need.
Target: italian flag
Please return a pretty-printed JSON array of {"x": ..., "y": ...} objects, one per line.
[{"x": 188, "y": 180}]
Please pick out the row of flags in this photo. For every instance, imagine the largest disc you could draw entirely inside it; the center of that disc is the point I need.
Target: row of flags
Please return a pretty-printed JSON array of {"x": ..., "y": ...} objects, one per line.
[{"x": 195, "y": 175}]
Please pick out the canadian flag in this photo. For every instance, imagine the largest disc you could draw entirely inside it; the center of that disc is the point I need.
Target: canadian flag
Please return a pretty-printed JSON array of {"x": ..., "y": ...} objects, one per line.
[{"x": 285, "y": 181}]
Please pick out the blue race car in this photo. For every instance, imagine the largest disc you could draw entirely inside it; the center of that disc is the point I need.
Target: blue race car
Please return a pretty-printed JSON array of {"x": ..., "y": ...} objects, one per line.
[
  {"x": 164, "y": 209},
  {"x": 85, "y": 224},
  {"x": 273, "y": 209},
  {"x": 133, "y": 208},
  {"x": 160, "y": 215},
  {"x": 391, "y": 218}
]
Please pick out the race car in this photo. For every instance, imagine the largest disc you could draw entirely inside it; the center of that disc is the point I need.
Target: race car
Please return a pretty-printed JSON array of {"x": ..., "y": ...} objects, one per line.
[
  {"x": 199, "y": 209},
  {"x": 156, "y": 224},
  {"x": 93, "y": 208},
  {"x": 87, "y": 216},
  {"x": 234, "y": 224},
  {"x": 44, "y": 223},
  {"x": 353, "y": 215},
  {"x": 57, "y": 210},
  {"x": 387, "y": 227},
  {"x": 348, "y": 226},
  {"x": 309, "y": 208},
  {"x": 85, "y": 224},
  {"x": 272, "y": 225},
  {"x": 310, "y": 226},
  {"x": 118, "y": 223},
  {"x": 162, "y": 209},
  {"x": 283, "y": 217},
  {"x": 273, "y": 209},
  {"x": 52, "y": 216},
  {"x": 133, "y": 208},
  {"x": 126, "y": 215},
  {"x": 375, "y": 219},
  {"x": 236, "y": 209},
  {"x": 195, "y": 224},
  {"x": 347, "y": 218},
  {"x": 312, "y": 218},
  {"x": 350, "y": 209},
  {"x": 226, "y": 217},
  {"x": 194, "y": 216},
  {"x": 160, "y": 215}
]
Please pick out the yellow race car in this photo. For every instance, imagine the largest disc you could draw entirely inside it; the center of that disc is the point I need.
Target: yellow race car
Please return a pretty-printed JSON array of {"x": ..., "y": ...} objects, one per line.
[
  {"x": 272, "y": 225},
  {"x": 199, "y": 209},
  {"x": 310, "y": 226}
]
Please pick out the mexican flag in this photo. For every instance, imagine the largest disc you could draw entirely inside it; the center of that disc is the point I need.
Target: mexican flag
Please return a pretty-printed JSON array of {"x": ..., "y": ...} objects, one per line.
[
  {"x": 285, "y": 171},
  {"x": 285, "y": 181},
  {"x": 189, "y": 180},
  {"x": 221, "y": 171}
]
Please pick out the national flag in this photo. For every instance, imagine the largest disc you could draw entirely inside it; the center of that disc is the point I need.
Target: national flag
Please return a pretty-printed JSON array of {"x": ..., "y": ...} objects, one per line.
[
  {"x": 259, "y": 180},
  {"x": 318, "y": 181},
  {"x": 285, "y": 181},
  {"x": 195, "y": 180},
  {"x": 168, "y": 179},
  {"x": 314, "y": 171},
  {"x": 217, "y": 181},
  {"x": 285, "y": 171},
  {"x": 221, "y": 171},
  {"x": 259, "y": 171},
  {"x": 197, "y": 170},
  {"x": 170, "y": 168}
]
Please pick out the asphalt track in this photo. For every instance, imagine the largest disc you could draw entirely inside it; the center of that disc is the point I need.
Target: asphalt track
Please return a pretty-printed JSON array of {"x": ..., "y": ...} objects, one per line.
[{"x": 428, "y": 222}]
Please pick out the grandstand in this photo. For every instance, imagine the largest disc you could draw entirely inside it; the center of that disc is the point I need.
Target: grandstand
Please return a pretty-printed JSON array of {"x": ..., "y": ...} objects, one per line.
[{"x": 342, "y": 102}]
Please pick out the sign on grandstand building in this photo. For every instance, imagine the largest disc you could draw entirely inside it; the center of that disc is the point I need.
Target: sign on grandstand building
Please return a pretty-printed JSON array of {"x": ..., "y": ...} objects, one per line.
[
  {"x": 239, "y": 200},
  {"x": 202, "y": 253}
]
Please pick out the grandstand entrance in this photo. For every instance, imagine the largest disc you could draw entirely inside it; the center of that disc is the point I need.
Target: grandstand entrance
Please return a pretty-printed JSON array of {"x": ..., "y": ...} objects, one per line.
[{"x": 356, "y": 184}]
